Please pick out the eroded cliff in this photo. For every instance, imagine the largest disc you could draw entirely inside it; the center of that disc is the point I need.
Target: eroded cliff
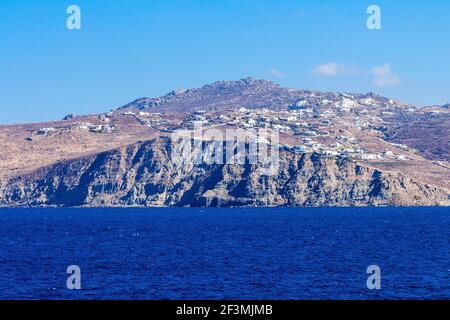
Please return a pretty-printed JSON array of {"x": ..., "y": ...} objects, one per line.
[{"x": 144, "y": 174}]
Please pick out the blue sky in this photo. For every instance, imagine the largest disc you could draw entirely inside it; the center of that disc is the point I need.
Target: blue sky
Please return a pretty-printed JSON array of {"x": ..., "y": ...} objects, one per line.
[{"x": 130, "y": 49}]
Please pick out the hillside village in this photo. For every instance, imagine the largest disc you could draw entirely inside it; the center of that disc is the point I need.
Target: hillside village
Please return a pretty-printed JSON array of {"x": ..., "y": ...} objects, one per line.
[
  {"x": 323, "y": 127},
  {"x": 310, "y": 125}
]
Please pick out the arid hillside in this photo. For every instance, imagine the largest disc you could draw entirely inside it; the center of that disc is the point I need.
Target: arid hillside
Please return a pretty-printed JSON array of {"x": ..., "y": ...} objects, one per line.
[{"x": 335, "y": 149}]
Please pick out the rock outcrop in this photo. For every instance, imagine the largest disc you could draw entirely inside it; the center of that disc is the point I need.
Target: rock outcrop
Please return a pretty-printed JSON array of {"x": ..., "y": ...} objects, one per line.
[{"x": 144, "y": 174}]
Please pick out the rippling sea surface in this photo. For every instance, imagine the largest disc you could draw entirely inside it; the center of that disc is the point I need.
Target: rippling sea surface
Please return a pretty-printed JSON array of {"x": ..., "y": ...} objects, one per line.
[{"x": 225, "y": 253}]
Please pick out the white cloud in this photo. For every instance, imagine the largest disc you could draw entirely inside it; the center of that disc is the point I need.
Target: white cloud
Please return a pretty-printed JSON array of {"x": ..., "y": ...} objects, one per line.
[
  {"x": 384, "y": 76},
  {"x": 276, "y": 73},
  {"x": 328, "y": 69},
  {"x": 331, "y": 69}
]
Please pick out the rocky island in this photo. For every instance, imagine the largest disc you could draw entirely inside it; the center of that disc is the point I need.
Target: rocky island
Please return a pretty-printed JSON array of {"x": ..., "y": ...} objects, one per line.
[{"x": 335, "y": 149}]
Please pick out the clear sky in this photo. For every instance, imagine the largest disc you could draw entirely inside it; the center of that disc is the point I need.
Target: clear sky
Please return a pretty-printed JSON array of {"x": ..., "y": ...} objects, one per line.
[{"x": 129, "y": 49}]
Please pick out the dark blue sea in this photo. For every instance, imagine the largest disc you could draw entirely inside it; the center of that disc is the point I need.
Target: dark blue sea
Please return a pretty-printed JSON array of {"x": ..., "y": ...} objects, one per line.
[{"x": 225, "y": 253}]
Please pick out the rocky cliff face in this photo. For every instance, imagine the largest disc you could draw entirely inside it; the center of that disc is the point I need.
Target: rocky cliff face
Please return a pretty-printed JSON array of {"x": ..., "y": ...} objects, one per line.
[{"x": 143, "y": 174}]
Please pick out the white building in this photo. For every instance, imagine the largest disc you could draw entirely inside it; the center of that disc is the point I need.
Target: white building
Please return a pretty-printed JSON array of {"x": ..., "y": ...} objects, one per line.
[
  {"x": 45, "y": 131},
  {"x": 370, "y": 156}
]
